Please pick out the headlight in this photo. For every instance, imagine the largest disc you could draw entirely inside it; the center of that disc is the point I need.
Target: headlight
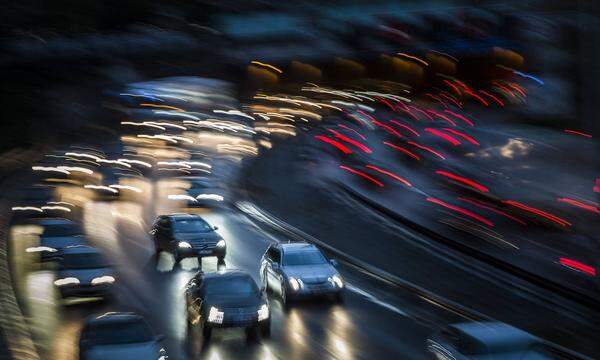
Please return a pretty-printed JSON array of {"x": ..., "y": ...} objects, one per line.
[
  {"x": 66, "y": 281},
  {"x": 40, "y": 249},
  {"x": 103, "y": 280},
  {"x": 215, "y": 316},
  {"x": 263, "y": 312},
  {"x": 294, "y": 283},
  {"x": 337, "y": 281},
  {"x": 221, "y": 243},
  {"x": 184, "y": 245}
]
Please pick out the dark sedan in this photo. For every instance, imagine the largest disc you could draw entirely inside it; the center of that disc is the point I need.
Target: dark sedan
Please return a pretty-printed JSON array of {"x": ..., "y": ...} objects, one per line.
[
  {"x": 187, "y": 235},
  {"x": 55, "y": 235},
  {"x": 226, "y": 299}
]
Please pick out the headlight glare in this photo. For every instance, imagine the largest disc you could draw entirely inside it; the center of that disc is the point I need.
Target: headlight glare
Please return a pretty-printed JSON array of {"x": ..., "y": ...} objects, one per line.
[
  {"x": 103, "y": 280},
  {"x": 66, "y": 281},
  {"x": 40, "y": 249},
  {"x": 215, "y": 316},
  {"x": 221, "y": 243},
  {"x": 294, "y": 283},
  {"x": 263, "y": 312},
  {"x": 337, "y": 280},
  {"x": 184, "y": 245}
]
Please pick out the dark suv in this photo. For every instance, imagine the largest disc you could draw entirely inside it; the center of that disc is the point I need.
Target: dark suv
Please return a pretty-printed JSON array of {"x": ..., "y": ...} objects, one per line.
[{"x": 187, "y": 235}]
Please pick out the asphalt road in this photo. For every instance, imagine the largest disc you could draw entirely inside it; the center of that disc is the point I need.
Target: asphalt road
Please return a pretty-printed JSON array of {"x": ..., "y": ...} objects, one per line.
[{"x": 376, "y": 320}]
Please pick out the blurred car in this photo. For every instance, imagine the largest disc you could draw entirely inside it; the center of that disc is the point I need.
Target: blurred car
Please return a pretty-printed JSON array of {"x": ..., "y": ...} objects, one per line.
[
  {"x": 203, "y": 191},
  {"x": 113, "y": 187},
  {"x": 56, "y": 234},
  {"x": 226, "y": 299},
  {"x": 300, "y": 270},
  {"x": 119, "y": 336},
  {"x": 187, "y": 235},
  {"x": 84, "y": 273},
  {"x": 491, "y": 340}
]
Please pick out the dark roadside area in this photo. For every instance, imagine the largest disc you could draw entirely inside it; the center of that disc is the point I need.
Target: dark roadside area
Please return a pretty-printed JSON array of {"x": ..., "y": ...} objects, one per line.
[{"x": 280, "y": 182}]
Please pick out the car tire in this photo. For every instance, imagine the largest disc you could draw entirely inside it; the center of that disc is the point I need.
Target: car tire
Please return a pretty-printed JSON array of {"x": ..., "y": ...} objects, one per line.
[
  {"x": 284, "y": 297},
  {"x": 265, "y": 329},
  {"x": 206, "y": 332}
]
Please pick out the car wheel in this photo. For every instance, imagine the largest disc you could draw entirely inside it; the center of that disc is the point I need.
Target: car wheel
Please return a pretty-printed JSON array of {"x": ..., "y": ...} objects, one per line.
[
  {"x": 284, "y": 297},
  {"x": 265, "y": 283},
  {"x": 206, "y": 332}
]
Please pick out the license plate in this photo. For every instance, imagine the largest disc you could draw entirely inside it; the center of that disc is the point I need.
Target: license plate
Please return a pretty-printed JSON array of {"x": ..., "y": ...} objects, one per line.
[{"x": 203, "y": 252}]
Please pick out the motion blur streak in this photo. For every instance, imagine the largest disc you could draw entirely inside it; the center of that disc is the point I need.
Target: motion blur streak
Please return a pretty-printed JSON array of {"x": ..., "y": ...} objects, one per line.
[
  {"x": 539, "y": 212},
  {"x": 388, "y": 128},
  {"x": 414, "y": 58},
  {"x": 461, "y": 117},
  {"x": 461, "y": 210},
  {"x": 267, "y": 66},
  {"x": 360, "y": 173},
  {"x": 593, "y": 208},
  {"x": 462, "y": 135},
  {"x": 423, "y": 147},
  {"x": 388, "y": 173},
  {"x": 446, "y": 137},
  {"x": 578, "y": 133},
  {"x": 400, "y": 148},
  {"x": 463, "y": 180},
  {"x": 578, "y": 266},
  {"x": 413, "y": 131},
  {"x": 336, "y": 144},
  {"x": 351, "y": 141},
  {"x": 353, "y": 131},
  {"x": 483, "y": 206}
]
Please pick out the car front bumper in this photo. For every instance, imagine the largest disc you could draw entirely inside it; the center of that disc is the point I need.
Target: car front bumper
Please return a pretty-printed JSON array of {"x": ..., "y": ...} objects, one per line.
[
  {"x": 314, "y": 290},
  {"x": 219, "y": 252}
]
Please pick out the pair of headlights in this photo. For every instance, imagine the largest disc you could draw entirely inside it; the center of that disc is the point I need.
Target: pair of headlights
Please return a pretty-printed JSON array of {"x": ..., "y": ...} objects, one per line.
[
  {"x": 187, "y": 245},
  {"x": 216, "y": 316},
  {"x": 75, "y": 281},
  {"x": 297, "y": 284}
]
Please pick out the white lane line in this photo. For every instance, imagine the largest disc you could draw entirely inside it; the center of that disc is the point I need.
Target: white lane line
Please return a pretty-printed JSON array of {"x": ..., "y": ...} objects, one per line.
[{"x": 375, "y": 300}]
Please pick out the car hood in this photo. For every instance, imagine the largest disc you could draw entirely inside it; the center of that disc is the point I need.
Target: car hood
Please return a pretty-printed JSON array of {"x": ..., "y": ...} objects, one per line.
[
  {"x": 61, "y": 242},
  {"x": 224, "y": 302},
  {"x": 207, "y": 236},
  {"x": 310, "y": 273},
  {"x": 85, "y": 276},
  {"x": 147, "y": 350}
]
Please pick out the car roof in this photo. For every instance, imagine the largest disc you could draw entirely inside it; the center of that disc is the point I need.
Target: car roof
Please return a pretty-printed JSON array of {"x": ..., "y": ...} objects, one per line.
[
  {"x": 183, "y": 216},
  {"x": 113, "y": 317},
  {"x": 51, "y": 221},
  {"x": 496, "y": 336},
  {"x": 297, "y": 246},
  {"x": 224, "y": 274},
  {"x": 80, "y": 249}
]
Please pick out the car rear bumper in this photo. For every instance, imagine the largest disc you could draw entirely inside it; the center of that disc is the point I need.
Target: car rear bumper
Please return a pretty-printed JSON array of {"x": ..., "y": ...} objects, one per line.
[{"x": 85, "y": 291}]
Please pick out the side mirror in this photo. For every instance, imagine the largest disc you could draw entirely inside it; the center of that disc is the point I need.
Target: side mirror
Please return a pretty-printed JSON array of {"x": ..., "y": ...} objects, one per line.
[
  {"x": 215, "y": 228},
  {"x": 160, "y": 338},
  {"x": 333, "y": 262}
]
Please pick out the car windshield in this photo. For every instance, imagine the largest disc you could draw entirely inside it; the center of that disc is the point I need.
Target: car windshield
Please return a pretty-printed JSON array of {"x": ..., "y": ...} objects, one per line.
[
  {"x": 312, "y": 257},
  {"x": 60, "y": 230},
  {"x": 84, "y": 261},
  {"x": 230, "y": 286},
  {"x": 122, "y": 333},
  {"x": 191, "y": 226}
]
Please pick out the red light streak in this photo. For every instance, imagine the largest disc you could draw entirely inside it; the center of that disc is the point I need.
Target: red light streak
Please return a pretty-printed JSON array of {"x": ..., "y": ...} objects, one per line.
[
  {"x": 518, "y": 88},
  {"x": 539, "y": 212},
  {"x": 427, "y": 149},
  {"x": 444, "y": 136},
  {"x": 360, "y": 173},
  {"x": 351, "y": 141},
  {"x": 500, "y": 102},
  {"x": 468, "y": 182},
  {"x": 388, "y": 128},
  {"x": 596, "y": 187},
  {"x": 461, "y": 117},
  {"x": 573, "y": 264},
  {"x": 462, "y": 135},
  {"x": 580, "y": 133},
  {"x": 453, "y": 87},
  {"x": 477, "y": 203},
  {"x": 593, "y": 208},
  {"x": 400, "y": 148},
  {"x": 437, "y": 99},
  {"x": 482, "y": 100},
  {"x": 422, "y": 112},
  {"x": 462, "y": 211},
  {"x": 390, "y": 174},
  {"x": 387, "y": 103},
  {"x": 443, "y": 117},
  {"x": 336, "y": 144},
  {"x": 405, "y": 127},
  {"x": 352, "y": 130},
  {"x": 450, "y": 98}
]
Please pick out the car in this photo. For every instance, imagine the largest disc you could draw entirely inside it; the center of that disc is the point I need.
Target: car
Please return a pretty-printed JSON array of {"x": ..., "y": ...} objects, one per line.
[
  {"x": 187, "y": 235},
  {"x": 492, "y": 340},
  {"x": 83, "y": 272},
  {"x": 56, "y": 234},
  {"x": 119, "y": 336},
  {"x": 226, "y": 299},
  {"x": 203, "y": 191},
  {"x": 300, "y": 270}
]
